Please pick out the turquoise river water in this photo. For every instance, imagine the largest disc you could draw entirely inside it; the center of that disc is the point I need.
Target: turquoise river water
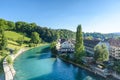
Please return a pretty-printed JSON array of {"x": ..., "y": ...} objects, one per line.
[{"x": 37, "y": 64}]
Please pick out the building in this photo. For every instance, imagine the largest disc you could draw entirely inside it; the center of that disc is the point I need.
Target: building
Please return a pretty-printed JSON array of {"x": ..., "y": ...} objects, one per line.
[
  {"x": 90, "y": 45},
  {"x": 114, "y": 48},
  {"x": 65, "y": 46}
]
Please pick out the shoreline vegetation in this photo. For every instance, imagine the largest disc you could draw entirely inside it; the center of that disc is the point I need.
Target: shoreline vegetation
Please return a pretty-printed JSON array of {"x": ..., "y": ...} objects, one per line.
[{"x": 8, "y": 68}]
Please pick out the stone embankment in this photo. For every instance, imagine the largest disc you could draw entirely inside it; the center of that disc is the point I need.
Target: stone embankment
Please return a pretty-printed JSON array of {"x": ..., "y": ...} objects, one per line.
[
  {"x": 114, "y": 75},
  {"x": 8, "y": 69}
]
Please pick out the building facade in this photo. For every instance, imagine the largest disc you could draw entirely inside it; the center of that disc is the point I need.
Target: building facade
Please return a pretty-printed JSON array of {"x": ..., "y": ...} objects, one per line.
[
  {"x": 90, "y": 45},
  {"x": 65, "y": 46},
  {"x": 114, "y": 48}
]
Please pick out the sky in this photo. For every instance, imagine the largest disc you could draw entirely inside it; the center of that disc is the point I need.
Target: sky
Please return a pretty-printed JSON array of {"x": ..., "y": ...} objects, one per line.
[{"x": 94, "y": 15}]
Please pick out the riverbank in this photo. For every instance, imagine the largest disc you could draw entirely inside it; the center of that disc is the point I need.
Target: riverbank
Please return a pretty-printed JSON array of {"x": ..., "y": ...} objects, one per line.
[
  {"x": 80, "y": 66},
  {"x": 88, "y": 69},
  {"x": 9, "y": 69}
]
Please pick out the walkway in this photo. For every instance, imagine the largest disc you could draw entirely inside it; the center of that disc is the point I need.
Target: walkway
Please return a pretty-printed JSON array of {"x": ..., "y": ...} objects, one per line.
[
  {"x": 8, "y": 69},
  {"x": 115, "y": 75}
]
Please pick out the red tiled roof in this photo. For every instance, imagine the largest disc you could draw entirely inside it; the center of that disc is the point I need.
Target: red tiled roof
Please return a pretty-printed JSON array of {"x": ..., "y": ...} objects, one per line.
[{"x": 115, "y": 42}]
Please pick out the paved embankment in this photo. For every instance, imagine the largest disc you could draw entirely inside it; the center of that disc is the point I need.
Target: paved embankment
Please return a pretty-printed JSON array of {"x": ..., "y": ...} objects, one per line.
[
  {"x": 94, "y": 71},
  {"x": 8, "y": 69},
  {"x": 114, "y": 75}
]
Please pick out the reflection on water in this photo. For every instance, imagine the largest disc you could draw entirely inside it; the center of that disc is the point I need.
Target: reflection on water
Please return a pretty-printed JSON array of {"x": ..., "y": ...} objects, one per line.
[{"x": 37, "y": 64}]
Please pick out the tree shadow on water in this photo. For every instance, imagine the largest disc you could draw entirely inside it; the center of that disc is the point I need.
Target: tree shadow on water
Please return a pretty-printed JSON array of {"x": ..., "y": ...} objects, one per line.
[
  {"x": 53, "y": 75},
  {"x": 42, "y": 54},
  {"x": 44, "y": 50},
  {"x": 60, "y": 71},
  {"x": 30, "y": 57},
  {"x": 64, "y": 71}
]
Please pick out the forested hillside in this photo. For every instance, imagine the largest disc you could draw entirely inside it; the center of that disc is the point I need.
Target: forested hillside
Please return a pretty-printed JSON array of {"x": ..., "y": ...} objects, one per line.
[
  {"x": 47, "y": 35},
  {"x": 100, "y": 35}
]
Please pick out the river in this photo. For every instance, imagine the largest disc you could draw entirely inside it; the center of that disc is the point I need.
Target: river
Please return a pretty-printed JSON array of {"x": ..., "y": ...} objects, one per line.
[
  {"x": 37, "y": 64},
  {"x": 2, "y": 75}
]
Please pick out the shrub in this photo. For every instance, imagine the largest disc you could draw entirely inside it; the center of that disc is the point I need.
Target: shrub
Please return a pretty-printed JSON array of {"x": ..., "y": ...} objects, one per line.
[
  {"x": 3, "y": 53},
  {"x": 32, "y": 45},
  {"x": 15, "y": 51},
  {"x": 9, "y": 59}
]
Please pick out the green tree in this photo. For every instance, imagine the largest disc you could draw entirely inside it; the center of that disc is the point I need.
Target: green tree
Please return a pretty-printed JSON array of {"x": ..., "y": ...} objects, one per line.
[
  {"x": 3, "y": 24},
  {"x": 15, "y": 51},
  {"x": 101, "y": 53},
  {"x": 9, "y": 60},
  {"x": 3, "y": 39},
  {"x": 53, "y": 48},
  {"x": 11, "y": 25},
  {"x": 35, "y": 38},
  {"x": 79, "y": 47},
  {"x": 20, "y": 40},
  {"x": 89, "y": 37}
]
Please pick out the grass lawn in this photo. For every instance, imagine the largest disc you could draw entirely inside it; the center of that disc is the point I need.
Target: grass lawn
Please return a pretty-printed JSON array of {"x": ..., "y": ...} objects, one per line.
[
  {"x": 15, "y": 45},
  {"x": 15, "y": 36}
]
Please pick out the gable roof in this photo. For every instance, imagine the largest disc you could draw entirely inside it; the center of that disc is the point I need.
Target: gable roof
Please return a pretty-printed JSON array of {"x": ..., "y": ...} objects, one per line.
[
  {"x": 91, "y": 43},
  {"x": 68, "y": 40},
  {"x": 61, "y": 40}
]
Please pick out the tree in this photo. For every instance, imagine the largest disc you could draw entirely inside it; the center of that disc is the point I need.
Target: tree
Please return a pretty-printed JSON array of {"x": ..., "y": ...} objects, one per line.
[
  {"x": 35, "y": 38},
  {"x": 20, "y": 40},
  {"x": 9, "y": 60},
  {"x": 89, "y": 37},
  {"x": 53, "y": 48},
  {"x": 11, "y": 25},
  {"x": 3, "y": 24},
  {"x": 3, "y": 39},
  {"x": 79, "y": 47},
  {"x": 47, "y": 34},
  {"x": 101, "y": 53}
]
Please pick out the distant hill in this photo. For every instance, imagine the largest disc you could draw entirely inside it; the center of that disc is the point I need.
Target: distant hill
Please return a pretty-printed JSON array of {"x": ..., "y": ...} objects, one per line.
[
  {"x": 117, "y": 33},
  {"x": 102, "y": 36},
  {"x": 46, "y": 34},
  {"x": 64, "y": 33}
]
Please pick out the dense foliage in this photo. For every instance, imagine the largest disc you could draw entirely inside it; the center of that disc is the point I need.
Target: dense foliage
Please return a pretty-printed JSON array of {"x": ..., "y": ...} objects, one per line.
[
  {"x": 116, "y": 66},
  {"x": 3, "y": 39},
  {"x": 66, "y": 34},
  {"x": 47, "y": 35},
  {"x": 79, "y": 47},
  {"x": 53, "y": 48},
  {"x": 100, "y": 35},
  {"x": 9, "y": 59},
  {"x": 35, "y": 38},
  {"x": 101, "y": 53}
]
